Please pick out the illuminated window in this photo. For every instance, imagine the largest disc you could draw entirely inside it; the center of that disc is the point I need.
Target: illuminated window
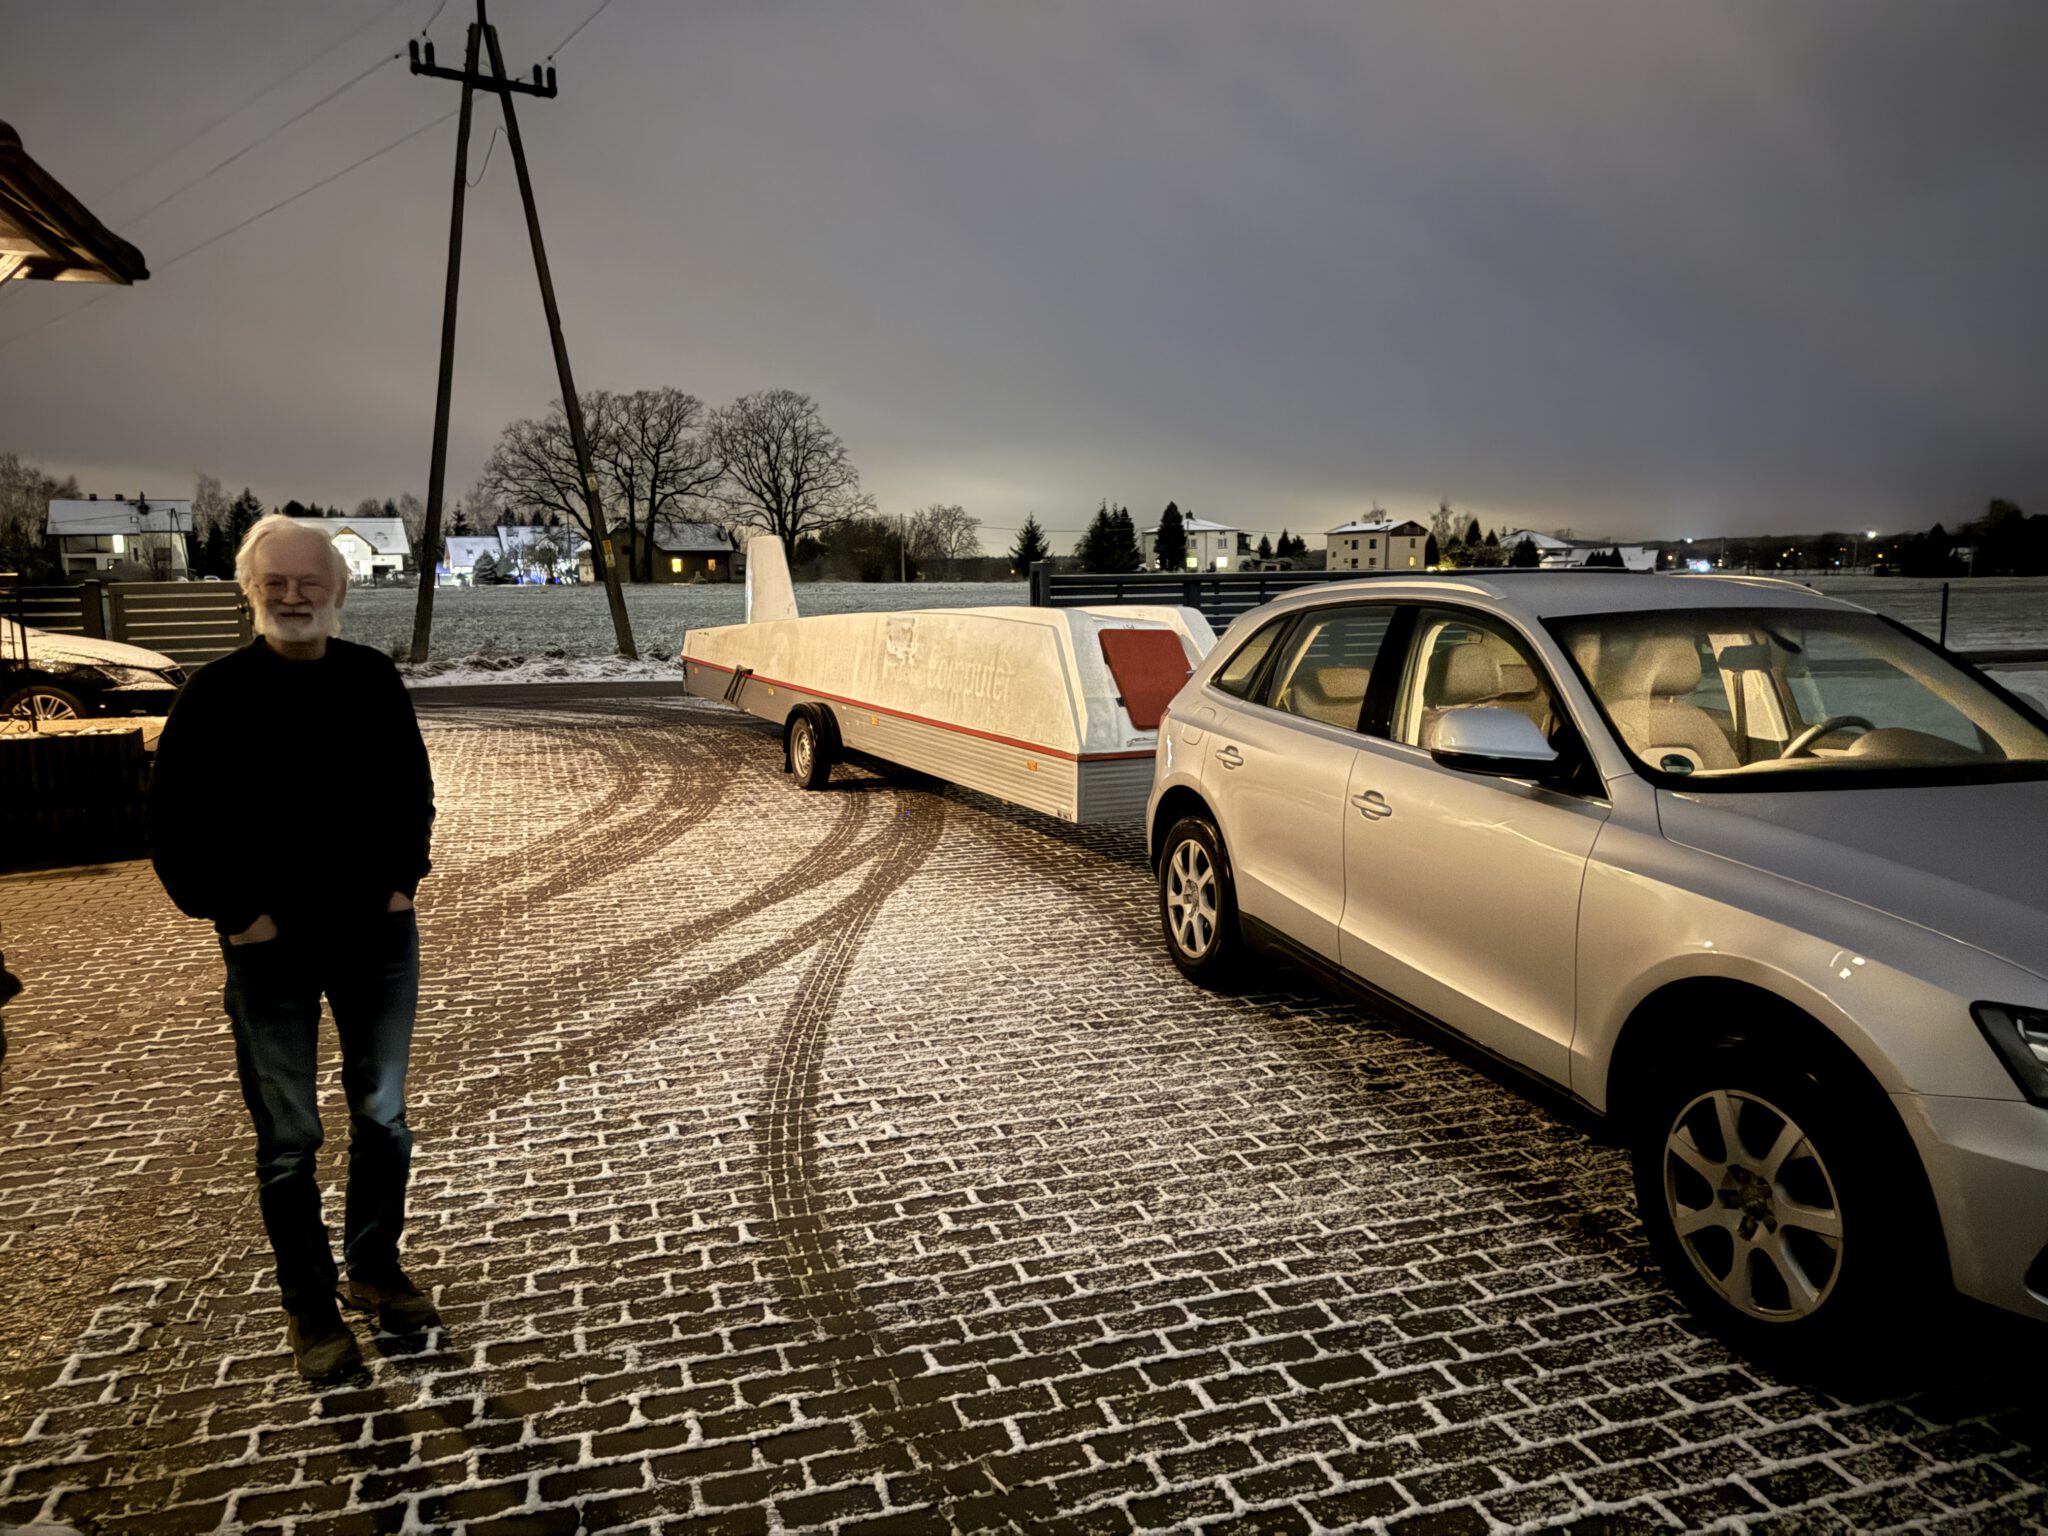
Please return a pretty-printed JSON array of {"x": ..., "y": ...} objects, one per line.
[
  {"x": 711, "y": 564},
  {"x": 1411, "y": 559},
  {"x": 675, "y": 564}
]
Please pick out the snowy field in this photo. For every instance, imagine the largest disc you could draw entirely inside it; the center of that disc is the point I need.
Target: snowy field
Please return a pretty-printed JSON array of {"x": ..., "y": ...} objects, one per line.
[
  {"x": 532, "y": 621},
  {"x": 541, "y": 634}
]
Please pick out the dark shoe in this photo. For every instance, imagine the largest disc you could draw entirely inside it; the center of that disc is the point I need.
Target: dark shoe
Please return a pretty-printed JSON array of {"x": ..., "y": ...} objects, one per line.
[
  {"x": 399, "y": 1304},
  {"x": 321, "y": 1344}
]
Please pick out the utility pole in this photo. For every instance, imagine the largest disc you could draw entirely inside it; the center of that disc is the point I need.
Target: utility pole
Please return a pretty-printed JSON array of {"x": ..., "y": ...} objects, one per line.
[
  {"x": 504, "y": 88},
  {"x": 430, "y": 530}
]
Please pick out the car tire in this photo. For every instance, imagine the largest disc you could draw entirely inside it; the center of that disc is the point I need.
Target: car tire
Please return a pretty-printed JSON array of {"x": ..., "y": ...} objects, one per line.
[
  {"x": 810, "y": 749},
  {"x": 1198, "y": 905},
  {"x": 1785, "y": 1204},
  {"x": 39, "y": 702}
]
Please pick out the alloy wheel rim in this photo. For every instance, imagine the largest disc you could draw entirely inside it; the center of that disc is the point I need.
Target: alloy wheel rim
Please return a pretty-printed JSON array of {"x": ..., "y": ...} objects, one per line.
[
  {"x": 1753, "y": 1205},
  {"x": 1191, "y": 893},
  {"x": 800, "y": 751},
  {"x": 37, "y": 708}
]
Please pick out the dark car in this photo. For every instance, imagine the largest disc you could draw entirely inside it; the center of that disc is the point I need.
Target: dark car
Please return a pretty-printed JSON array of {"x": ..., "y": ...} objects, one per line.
[{"x": 71, "y": 677}]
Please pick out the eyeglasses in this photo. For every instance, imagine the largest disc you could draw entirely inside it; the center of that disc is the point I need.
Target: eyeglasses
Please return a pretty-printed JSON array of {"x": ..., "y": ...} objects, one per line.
[{"x": 310, "y": 588}]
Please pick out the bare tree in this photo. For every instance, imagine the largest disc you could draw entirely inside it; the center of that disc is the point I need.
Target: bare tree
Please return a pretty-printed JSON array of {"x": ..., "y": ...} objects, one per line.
[
  {"x": 939, "y": 532},
  {"x": 533, "y": 468},
  {"x": 649, "y": 448},
  {"x": 785, "y": 470},
  {"x": 209, "y": 505}
]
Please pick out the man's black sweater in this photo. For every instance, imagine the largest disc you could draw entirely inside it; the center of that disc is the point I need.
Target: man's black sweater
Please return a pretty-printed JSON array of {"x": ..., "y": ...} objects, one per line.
[{"x": 300, "y": 789}]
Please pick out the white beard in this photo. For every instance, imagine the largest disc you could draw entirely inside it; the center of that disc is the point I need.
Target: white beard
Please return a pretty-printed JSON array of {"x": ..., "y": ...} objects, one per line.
[{"x": 321, "y": 624}]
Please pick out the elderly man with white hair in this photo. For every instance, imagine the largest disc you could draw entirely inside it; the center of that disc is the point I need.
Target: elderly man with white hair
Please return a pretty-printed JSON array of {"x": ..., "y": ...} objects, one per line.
[{"x": 307, "y": 907}]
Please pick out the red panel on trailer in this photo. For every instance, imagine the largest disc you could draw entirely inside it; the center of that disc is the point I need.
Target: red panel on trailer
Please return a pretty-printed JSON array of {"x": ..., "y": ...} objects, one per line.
[{"x": 1149, "y": 667}]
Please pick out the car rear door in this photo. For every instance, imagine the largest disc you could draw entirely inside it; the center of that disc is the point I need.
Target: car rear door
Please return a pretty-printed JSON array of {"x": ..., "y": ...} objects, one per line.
[
  {"x": 1279, "y": 765},
  {"x": 1462, "y": 889}
]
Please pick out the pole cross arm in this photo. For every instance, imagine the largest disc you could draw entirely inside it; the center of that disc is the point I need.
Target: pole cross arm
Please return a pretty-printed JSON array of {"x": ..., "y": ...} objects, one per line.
[{"x": 543, "y": 83}]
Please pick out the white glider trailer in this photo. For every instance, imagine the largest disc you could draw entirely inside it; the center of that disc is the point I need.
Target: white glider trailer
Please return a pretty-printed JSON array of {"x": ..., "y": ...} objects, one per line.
[{"x": 1056, "y": 709}]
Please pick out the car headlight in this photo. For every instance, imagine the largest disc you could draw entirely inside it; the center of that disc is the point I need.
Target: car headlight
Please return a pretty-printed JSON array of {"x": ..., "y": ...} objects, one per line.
[
  {"x": 119, "y": 679},
  {"x": 2020, "y": 1036}
]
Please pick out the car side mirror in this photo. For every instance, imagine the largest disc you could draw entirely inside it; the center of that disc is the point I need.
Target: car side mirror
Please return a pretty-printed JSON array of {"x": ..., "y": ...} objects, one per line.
[{"x": 1502, "y": 742}]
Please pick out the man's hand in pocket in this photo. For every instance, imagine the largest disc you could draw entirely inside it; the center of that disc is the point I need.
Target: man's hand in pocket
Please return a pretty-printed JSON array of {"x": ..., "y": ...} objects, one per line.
[{"x": 262, "y": 931}]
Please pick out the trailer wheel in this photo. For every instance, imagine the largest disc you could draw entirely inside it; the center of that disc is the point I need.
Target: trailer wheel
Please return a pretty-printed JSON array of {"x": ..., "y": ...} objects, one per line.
[{"x": 810, "y": 749}]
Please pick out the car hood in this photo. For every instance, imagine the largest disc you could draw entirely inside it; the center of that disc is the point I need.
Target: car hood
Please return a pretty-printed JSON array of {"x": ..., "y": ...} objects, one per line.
[
  {"x": 79, "y": 651},
  {"x": 1969, "y": 860}
]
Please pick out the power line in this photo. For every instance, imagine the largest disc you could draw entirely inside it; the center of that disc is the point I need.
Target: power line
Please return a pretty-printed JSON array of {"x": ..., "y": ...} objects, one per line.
[
  {"x": 586, "y": 21},
  {"x": 237, "y": 227},
  {"x": 238, "y": 110},
  {"x": 308, "y": 191},
  {"x": 496, "y": 134},
  {"x": 345, "y": 86}
]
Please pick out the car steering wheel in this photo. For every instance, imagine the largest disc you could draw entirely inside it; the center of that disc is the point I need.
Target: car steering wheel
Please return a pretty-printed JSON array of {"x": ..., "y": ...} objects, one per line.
[{"x": 1802, "y": 744}]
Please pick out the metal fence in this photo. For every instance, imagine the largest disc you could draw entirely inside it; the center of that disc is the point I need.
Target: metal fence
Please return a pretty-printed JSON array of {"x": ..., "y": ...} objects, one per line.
[
  {"x": 1993, "y": 621},
  {"x": 191, "y": 622},
  {"x": 1220, "y": 596}
]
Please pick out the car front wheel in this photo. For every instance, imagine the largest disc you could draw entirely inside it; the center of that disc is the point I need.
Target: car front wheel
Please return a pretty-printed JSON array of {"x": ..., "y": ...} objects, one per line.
[
  {"x": 1197, "y": 904},
  {"x": 28, "y": 707},
  {"x": 1782, "y": 1206}
]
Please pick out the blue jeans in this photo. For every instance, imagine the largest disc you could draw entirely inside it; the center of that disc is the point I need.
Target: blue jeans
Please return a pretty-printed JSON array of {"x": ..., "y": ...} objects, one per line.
[{"x": 370, "y": 974}]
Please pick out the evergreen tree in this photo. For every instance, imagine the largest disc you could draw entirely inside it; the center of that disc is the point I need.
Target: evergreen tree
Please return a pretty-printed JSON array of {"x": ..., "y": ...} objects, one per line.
[
  {"x": 1526, "y": 555},
  {"x": 1030, "y": 547},
  {"x": 1124, "y": 548},
  {"x": 1265, "y": 547},
  {"x": 485, "y": 571},
  {"x": 1092, "y": 551},
  {"x": 1472, "y": 534},
  {"x": 1170, "y": 544},
  {"x": 1430, "y": 553},
  {"x": 242, "y": 514}
]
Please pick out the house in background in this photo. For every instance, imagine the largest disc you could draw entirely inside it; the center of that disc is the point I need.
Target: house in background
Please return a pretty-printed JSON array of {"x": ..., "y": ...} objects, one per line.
[
  {"x": 372, "y": 546},
  {"x": 97, "y": 537},
  {"x": 1211, "y": 546},
  {"x": 538, "y": 555},
  {"x": 682, "y": 552},
  {"x": 1564, "y": 554},
  {"x": 1381, "y": 544},
  {"x": 458, "y": 561},
  {"x": 528, "y": 556}
]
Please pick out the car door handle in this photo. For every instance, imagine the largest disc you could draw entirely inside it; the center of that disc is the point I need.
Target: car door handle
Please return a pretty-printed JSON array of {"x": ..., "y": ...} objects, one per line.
[
  {"x": 1230, "y": 757},
  {"x": 1372, "y": 805}
]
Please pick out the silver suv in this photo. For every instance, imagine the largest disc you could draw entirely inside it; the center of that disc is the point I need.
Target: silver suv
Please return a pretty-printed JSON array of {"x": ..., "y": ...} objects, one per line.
[{"x": 1758, "y": 875}]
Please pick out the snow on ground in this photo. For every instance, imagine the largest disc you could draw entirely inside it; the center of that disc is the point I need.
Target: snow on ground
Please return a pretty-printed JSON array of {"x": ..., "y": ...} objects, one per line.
[
  {"x": 551, "y": 667},
  {"x": 1989, "y": 613}
]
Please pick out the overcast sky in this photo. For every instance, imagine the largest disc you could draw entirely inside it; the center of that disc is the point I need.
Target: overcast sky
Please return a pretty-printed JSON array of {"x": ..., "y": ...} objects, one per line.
[{"x": 1634, "y": 268}]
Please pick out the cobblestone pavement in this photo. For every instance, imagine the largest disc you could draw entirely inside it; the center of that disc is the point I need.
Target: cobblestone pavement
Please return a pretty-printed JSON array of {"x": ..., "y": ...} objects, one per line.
[{"x": 857, "y": 1162}]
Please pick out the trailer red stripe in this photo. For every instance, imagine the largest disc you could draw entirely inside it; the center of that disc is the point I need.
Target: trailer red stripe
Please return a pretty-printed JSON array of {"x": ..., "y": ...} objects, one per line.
[{"x": 944, "y": 725}]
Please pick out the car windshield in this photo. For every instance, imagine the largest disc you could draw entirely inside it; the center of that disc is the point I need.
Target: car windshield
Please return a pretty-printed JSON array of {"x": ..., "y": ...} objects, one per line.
[{"x": 1732, "y": 696}]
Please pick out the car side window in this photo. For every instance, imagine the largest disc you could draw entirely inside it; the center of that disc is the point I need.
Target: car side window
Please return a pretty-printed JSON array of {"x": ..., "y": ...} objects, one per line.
[
  {"x": 1325, "y": 667},
  {"x": 1237, "y": 675},
  {"x": 1462, "y": 661}
]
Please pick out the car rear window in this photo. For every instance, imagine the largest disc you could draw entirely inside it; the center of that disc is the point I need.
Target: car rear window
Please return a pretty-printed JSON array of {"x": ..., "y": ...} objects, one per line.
[{"x": 1237, "y": 675}]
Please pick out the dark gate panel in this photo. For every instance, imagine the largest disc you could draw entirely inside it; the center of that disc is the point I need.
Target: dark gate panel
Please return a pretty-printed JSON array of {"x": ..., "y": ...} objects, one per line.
[
  {"x": 72, "y": 799},
  {"x": 189, "y": 621}
]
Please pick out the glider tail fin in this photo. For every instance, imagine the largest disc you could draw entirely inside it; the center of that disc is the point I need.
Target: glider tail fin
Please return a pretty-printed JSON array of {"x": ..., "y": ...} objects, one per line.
[{"x": 769, "y": 592}]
